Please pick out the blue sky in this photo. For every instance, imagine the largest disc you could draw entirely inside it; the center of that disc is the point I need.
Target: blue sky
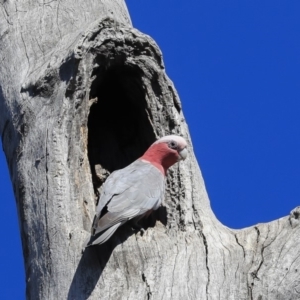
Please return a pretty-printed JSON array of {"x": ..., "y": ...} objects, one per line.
[{"x": 236, "y": 66}]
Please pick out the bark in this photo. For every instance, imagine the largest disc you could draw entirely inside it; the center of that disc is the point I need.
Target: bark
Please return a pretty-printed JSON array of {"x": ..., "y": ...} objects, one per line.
[{"x": 82, "y": 93}]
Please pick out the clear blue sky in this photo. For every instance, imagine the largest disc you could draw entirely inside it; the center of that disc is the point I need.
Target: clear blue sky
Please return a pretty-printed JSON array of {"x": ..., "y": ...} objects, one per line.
[{"x": 236, "y": 66}]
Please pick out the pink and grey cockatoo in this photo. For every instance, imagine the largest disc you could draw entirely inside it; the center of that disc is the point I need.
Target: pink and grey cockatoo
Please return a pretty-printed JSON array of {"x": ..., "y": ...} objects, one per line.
[{"x": 138, "y": 189}]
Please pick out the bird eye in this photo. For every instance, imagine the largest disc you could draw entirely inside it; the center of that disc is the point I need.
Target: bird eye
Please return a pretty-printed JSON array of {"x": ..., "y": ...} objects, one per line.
[{"x": 172, "y": 145}]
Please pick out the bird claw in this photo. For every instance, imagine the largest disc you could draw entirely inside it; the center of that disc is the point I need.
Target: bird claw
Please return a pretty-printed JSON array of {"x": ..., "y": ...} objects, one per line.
[{"x": 138, "y": 227}]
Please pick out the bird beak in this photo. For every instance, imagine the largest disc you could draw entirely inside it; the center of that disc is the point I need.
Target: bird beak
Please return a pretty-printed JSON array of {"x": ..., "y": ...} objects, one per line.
[{"x": 183, "y": 154}]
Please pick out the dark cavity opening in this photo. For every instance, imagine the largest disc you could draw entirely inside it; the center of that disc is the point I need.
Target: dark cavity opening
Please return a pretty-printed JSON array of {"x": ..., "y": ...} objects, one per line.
[{"x": 119, "y": 130}]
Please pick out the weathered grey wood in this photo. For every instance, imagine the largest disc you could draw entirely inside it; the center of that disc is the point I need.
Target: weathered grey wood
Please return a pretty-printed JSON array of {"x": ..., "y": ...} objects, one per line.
[{"x": 83, "y": 93}]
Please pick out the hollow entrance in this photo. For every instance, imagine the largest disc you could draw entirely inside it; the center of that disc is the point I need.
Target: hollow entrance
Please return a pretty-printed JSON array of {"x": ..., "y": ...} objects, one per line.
[{"x": 118, "y": 124}]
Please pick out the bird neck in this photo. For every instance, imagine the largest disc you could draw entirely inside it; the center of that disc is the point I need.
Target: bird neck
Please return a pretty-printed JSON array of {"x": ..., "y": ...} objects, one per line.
[{"x": 161, "y": 156}]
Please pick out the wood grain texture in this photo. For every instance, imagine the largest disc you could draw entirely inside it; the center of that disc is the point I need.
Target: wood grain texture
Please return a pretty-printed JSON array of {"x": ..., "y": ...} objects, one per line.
[{"x": 82, "y": 93}]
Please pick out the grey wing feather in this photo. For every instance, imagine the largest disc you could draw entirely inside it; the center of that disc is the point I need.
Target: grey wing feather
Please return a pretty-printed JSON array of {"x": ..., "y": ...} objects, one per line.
[
  {"x": 106, "y": 235},
  {"x": 110, "y": 219},
  {"x": 127, "y": 193},
  {"x": 144, "y": 193},
  {"x": 116, "y": 184}
]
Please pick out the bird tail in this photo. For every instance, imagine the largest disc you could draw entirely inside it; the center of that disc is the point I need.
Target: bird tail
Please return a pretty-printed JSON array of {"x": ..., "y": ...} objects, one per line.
[{"x": 103, "y": 236}]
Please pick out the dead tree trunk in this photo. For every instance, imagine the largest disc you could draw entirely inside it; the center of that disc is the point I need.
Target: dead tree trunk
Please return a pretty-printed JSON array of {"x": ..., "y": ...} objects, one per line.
[{"x": 82, "y": 93}]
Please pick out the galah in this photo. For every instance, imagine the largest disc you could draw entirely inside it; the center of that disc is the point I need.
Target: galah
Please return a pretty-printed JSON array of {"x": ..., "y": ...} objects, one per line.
[{"x": 138, "y": 189}]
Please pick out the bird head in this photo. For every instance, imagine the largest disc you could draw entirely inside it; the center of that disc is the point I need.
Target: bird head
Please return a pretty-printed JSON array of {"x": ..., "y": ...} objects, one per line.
[{"x": 166, "y": 151}]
